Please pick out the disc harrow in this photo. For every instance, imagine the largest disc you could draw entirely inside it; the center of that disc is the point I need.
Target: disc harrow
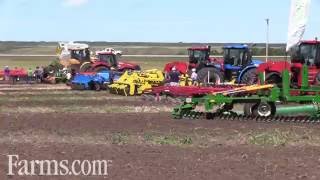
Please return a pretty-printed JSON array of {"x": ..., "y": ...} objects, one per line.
[
  {"x": 196, "y": 115},
  {"x": 262, "y": 103},
  {"x": 134, "y": 83}
]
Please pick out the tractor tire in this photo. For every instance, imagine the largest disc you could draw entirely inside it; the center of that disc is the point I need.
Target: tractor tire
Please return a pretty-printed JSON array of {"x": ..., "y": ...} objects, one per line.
[
  {"x": 216, "y": 76},
  {"x": 97, "y": 87},
  {"x": 85, "y": 67},
  {"x": 250, "y": 77},
  {"x": 75, "y": 67},
  {"x": 100, "y": 69},
  {"x": 274, "y": 78}
]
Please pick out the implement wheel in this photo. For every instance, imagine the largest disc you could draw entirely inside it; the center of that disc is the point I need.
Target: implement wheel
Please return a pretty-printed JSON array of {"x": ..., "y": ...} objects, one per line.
[
  {"x": 265, "y": 109},
  {"x": 262, "y": 109}
]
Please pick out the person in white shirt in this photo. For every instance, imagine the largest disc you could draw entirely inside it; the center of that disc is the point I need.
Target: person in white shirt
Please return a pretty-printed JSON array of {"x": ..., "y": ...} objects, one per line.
[{"x": 194, "y": 76}]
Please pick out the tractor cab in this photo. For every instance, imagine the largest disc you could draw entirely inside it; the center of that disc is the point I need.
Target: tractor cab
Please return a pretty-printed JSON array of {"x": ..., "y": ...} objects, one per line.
[
  {"x": 73, "y": 54},
  {"x": 199, "y": 55},
  {"x": 236, "y": 58},
  {"x": 108, "y": 58},
  {"x": 306, "y": 52},
  {"x": 83, "y": 55}
]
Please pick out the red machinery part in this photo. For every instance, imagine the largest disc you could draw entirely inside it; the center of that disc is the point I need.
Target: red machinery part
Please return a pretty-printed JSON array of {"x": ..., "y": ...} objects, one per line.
[
  {"x": 20, "y": 72},
  {"x": 188, "y": 91},
  {"x": 182, "y": 67}
]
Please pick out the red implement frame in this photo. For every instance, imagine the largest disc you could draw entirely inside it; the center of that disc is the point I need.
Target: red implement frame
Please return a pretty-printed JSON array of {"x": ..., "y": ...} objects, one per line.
[{"x": 188, "y": 91}]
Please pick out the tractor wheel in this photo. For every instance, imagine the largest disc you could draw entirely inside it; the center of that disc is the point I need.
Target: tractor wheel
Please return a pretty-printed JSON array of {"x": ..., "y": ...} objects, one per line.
[
  {"x": 264, "y": 109},
  {"x": 75, "y": 67},
  {"x": 85, "y": 67},
  {"x": 274, "y": 78},
  {"x": 100, "y": 69},
  {"x": 215, "y": 76},
  {"x": 97, "y": 86},
  {"x": 250, "y": 77}
]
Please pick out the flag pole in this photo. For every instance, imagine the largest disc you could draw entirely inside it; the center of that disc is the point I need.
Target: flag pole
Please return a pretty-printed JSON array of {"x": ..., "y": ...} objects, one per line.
[{"x": 267, "y": 39}]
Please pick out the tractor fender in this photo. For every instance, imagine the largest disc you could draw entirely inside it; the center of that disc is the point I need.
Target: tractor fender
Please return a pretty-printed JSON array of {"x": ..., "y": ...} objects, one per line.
[
  {"x": 274, "y": 66},
  {"x": 85, "y": 66},
  {"x": 123, "y": 65},
  {"x": 243, "y": 71},
  {"x": 273, "y": 73},
  {"x": 99, "y": 64}
]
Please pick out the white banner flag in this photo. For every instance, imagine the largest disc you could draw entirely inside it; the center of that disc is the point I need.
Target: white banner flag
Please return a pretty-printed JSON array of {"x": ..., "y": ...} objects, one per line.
[{"x": 297, "y": 21}]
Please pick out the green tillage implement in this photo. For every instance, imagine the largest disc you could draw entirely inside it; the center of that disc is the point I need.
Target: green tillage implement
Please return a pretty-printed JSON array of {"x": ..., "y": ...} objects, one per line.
[{"x": 261, "y": 104}]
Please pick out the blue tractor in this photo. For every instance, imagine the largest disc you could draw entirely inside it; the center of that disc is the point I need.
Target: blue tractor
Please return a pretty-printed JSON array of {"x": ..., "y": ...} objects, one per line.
[{"x": 237, "y": 64}]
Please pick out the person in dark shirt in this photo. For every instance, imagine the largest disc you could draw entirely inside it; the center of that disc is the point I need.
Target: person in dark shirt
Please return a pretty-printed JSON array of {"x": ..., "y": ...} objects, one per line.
[
  {"x": 37, "y": 74},
  {"x": 174, "y": 77}
]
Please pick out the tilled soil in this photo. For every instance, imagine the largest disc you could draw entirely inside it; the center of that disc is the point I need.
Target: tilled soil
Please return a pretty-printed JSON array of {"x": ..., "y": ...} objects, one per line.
[
  {"x": 154, "y": 161},
  {"x": 149, "y": 145}
]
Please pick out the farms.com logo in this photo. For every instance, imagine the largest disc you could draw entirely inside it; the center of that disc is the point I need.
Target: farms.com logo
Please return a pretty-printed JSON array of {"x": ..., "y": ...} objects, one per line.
[{"x": 22, "y": 167}]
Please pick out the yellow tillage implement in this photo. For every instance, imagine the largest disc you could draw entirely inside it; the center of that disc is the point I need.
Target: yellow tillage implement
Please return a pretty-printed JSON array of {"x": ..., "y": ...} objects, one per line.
[{"x": 135, "y": 82}]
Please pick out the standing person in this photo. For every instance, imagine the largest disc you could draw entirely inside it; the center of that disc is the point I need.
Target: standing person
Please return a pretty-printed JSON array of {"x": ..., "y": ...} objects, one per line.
[
  {"x": 30, "y": 75},
  {"x": 37, "y": 74},
  {"x": 194, "y": 77},
  {"x": 73, "y": 74},
  {"x": 6, "y": 73},
  {"x": 41, "y": 73},
  {"x": 174, "y": 77},
  {"x": 15, "y": 73}
]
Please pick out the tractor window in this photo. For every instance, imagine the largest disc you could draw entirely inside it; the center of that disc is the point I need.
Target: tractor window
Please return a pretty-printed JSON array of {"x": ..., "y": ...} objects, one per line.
[
  {"x": 110, "y": 59},
  {"x": 198, "y": 55},
  {"x": 77, "y": 54},
  {"x": 201, "y": 55},
  {"x": 308, "y": 53},
  {"x": 234, "y": 56}
]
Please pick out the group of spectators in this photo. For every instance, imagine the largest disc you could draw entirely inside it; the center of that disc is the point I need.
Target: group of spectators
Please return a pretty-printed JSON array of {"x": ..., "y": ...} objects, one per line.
[
  {"x": 32, "y": 75},
  {"x": 173, "y": 77},
  {"x": 36, "y": 74}
]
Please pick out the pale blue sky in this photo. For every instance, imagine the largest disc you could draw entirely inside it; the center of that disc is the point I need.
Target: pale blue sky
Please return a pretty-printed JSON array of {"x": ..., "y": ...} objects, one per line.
[{"x": 149, "y": 20}]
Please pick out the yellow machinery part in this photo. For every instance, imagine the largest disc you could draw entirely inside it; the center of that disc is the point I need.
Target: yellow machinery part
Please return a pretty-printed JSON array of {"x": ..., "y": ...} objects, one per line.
[
  {"x": 251, "y": 88},
  {"x": 134, "y": 83},
  {"x": 185, "y": 80}
]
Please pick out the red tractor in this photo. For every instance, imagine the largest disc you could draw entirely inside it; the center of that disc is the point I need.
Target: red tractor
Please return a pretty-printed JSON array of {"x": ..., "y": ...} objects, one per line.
[
  {"x": 106, "y": 60},
  {"x": 305, "y": 53}
]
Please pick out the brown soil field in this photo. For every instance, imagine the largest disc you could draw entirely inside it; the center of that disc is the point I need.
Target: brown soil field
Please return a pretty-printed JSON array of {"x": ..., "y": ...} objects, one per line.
[{"x": 148, "y": 144}]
